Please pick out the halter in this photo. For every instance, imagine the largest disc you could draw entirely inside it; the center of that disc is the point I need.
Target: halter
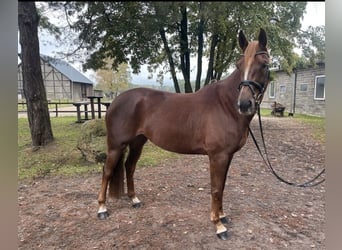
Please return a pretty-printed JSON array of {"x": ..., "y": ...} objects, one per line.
[
  {"x": 253, "y": 84},
  {"x": 261, "y": 87}
]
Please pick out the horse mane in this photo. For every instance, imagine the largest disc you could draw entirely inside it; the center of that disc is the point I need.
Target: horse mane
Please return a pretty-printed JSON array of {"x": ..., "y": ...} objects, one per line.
[{"x": 215, "y": 82}]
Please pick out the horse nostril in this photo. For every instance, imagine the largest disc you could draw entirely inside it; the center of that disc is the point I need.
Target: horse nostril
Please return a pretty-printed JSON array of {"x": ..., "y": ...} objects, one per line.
[{"x": 245, "y": 105}]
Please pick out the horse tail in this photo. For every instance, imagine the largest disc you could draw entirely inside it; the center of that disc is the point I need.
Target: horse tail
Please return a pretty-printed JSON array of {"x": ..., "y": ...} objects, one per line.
[{"x": 116, "y": 183}]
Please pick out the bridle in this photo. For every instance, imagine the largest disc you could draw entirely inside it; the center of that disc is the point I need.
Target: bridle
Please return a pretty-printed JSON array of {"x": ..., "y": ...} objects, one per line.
[
  {"x": 252, "y": 85},
  {"x": 261, "y": 87}
]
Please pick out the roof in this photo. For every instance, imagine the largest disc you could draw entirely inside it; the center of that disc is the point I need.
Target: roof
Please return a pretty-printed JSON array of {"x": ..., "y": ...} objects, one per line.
[{"x": 66, "y": 69}]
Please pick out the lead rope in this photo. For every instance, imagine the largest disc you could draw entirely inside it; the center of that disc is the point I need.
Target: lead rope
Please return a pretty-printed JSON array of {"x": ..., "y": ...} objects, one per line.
[{"x": 268, "y": 163}]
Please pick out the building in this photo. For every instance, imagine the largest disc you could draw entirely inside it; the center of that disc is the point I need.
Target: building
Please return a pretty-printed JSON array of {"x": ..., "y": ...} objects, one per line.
[
  {"x": 61, "y": 81},
  {"x": 302, "y": 91}
]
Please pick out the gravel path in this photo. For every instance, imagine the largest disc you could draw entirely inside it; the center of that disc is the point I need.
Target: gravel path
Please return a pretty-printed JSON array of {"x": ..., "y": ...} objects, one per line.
[{"x": 60, "y": 212}]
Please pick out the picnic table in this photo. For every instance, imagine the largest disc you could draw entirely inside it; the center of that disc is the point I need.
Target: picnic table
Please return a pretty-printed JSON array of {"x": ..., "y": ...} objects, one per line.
[
  {"x": 92, "y": 110},
  {"x": 92, "y": 103},
  {"x": 79, "y": 111},
  {"x": 106, "y": 104}
]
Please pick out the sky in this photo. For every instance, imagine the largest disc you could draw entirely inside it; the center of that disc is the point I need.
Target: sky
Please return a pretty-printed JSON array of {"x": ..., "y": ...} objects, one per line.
[{"x": 315, "y": 16}]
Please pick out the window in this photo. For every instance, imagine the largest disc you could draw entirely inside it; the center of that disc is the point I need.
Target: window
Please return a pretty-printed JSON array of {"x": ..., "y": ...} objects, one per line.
[
  {"x": 319, "y": 87},
  {"x": 271, "y": 92},
  {"x": 303, "y": 87},
  {"x": 282, "y": 89},
  {"x": 83, "y": 91}
]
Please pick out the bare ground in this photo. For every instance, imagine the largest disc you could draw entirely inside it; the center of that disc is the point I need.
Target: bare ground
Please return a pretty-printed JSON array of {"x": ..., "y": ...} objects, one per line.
[{"x": 60, "y": 212}]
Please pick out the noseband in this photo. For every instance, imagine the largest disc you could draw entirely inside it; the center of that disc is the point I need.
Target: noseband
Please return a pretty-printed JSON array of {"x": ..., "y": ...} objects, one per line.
[{"x": 252, "y": 85}]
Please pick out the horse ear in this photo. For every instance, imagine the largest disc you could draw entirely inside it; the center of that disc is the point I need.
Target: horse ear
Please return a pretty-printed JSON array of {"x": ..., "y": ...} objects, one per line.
[
  {"x": 262, "y": 37},
  {"x": 242, "y": 41}
]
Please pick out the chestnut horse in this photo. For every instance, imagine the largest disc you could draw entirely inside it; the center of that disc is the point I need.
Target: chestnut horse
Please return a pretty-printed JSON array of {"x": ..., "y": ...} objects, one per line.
[{"x": 213, "y": 121}]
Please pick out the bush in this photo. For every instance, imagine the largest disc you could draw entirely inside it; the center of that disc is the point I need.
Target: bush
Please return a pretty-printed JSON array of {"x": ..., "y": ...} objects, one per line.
[{"x": 92, "y": 141}]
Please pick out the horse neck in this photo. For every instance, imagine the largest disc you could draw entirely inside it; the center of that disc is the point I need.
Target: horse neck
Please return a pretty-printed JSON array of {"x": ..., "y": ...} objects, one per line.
[
  {"x": 233, "y": 81},
  {"x": 228, "y": 90}
]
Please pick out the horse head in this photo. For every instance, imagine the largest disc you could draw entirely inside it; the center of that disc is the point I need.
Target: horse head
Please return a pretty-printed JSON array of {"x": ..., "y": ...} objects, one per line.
[{"x": 254, "y": 72}]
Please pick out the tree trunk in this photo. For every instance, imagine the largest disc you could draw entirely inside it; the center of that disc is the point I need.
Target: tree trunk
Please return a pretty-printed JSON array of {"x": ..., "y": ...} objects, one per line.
[
  {"x": 200, "y": 48},
  {"x": 184, "y": 50},
  {"x": 214, "y": 41},
  {"x": 169, "y": 56},
  {"x": 33, "y": 85}
]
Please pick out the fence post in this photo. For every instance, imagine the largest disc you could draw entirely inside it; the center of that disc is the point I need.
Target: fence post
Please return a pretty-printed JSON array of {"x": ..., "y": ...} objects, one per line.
[{"x": 56, "y": 109}]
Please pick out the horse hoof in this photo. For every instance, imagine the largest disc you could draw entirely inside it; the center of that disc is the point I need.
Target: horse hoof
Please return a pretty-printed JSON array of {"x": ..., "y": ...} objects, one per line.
[
  {"x": 137, "y": 205},
  {"x": 223, "y": 235},
  {"x": 224, "y": 220},
  {"x": 102, "y": 215}
]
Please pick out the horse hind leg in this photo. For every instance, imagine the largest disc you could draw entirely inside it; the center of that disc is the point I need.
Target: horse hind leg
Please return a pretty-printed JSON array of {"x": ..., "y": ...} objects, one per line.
[
  {"x": 135, "y": 149},
  {"x": 113, "y": 175}
]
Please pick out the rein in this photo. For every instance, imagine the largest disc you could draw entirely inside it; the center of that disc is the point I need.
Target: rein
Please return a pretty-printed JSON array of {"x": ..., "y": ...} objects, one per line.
[
  {"x": 258, "y": 97},
  {"x": 309, "y": 183}
]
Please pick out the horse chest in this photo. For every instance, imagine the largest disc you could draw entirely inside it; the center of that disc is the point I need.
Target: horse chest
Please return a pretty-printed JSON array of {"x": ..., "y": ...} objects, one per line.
[{"x": 243, "y": 140}]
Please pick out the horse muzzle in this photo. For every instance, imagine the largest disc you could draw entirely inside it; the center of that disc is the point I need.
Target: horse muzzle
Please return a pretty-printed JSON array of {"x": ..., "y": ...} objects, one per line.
[{"x": 247, "y": 107}]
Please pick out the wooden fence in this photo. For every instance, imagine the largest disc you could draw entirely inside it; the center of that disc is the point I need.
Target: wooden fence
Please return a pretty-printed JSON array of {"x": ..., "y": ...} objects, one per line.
[{"x": 79, "y": 109}]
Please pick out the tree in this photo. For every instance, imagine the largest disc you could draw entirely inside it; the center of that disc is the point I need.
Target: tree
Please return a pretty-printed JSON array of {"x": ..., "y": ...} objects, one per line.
[
  {"x": 33, "y": 85},
  {"x": 168, "y": 34},
  {"x": 312, "y": 43},
  {"x": 112, "y": 81}
]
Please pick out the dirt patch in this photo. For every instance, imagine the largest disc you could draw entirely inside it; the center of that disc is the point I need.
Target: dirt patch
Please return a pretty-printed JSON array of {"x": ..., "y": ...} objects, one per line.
[{"x": 60, "y": 212}]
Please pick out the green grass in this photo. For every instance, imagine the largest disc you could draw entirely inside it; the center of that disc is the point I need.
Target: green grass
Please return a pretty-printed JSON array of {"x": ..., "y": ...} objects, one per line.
[
  {"x": 61, "y": 157},
  {"x": 316, "y": 123}
]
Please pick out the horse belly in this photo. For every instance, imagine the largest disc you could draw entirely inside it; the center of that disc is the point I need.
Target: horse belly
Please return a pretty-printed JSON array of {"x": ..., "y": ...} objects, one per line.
[
  {"x": 178, "y": 140},
  {"x": 180, "y": 148}
]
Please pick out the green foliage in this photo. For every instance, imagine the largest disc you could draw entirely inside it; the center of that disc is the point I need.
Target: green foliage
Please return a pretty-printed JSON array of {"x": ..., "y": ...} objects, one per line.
[
  {"x": 112, "y": 81},
  {"x": 167, "y": 34},
  {"x": 312, "y": 42}
]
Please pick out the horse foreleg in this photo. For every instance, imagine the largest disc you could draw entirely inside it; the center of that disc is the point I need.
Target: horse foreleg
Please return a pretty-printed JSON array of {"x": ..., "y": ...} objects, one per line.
[
  {"x": 135, "y": 149},
  {"x": 111, "y": 161},
  {"x": 219, "y": 165}
]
